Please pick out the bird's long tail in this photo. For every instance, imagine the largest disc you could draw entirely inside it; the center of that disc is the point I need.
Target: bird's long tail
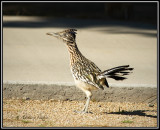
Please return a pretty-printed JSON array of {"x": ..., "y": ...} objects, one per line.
[{"x": 117, "y": 73}]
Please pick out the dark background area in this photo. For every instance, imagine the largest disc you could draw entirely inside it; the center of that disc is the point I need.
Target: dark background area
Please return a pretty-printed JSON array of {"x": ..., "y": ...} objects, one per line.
[{"x": 133, "y": 11}]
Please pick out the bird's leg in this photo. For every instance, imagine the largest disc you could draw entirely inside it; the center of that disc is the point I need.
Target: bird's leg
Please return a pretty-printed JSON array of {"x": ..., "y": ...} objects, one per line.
[{"x": 85, "y": 109}]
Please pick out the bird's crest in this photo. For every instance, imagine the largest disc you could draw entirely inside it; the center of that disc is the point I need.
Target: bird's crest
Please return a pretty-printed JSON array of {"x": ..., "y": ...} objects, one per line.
[{"x": 68, "y": 35}]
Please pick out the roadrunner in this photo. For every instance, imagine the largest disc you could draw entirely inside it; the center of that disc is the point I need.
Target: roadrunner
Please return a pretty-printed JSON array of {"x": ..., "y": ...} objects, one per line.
[{"x": 86, "y": 74}]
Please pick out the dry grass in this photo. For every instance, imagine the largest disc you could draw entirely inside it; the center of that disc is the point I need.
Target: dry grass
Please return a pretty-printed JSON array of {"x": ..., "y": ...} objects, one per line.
[{"x": 38, "y": 113}]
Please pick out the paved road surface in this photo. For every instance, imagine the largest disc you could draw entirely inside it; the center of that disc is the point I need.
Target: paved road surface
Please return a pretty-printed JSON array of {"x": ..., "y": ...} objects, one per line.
[{"x": 30, "y": 55}]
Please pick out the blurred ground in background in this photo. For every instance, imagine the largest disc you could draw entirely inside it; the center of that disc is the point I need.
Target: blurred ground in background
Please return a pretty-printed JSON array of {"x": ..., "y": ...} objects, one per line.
[
  {"x": 109, "y": 33},
  {"x": 31, "y": 55}
]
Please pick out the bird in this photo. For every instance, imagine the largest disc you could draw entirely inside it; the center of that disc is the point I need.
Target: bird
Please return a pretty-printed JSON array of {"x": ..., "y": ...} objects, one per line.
[{"x": 87, "y": 76}]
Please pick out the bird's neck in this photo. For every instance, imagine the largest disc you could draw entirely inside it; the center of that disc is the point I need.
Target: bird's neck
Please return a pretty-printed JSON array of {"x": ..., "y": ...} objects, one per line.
[{"x": 74, "y": 52}]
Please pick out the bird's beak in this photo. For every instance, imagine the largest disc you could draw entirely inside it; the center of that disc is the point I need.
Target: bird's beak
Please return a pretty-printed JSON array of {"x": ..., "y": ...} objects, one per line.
[{"x": 53, "y": 34}]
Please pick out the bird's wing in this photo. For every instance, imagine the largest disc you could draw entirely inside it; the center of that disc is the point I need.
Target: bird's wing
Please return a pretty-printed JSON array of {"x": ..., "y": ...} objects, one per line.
[{"x": 87, "y": 74}]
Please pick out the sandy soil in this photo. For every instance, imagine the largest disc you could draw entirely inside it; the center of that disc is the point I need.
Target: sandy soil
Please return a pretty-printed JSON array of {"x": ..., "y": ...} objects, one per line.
[{"x": 50, "y": 113}]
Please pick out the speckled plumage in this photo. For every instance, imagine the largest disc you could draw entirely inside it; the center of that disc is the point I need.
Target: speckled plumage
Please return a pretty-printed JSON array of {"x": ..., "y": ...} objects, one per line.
[{"x": 86, "y": 74}]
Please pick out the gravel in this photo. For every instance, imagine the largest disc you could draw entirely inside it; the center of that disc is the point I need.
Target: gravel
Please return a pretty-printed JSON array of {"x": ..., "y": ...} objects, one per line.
[{"x": 58, "y": 113}]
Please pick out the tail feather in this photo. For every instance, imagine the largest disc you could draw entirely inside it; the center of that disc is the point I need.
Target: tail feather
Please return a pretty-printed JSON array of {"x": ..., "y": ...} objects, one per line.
[
  {"x": 117, "y": 73},
  {"x": 117, "y": 77}
]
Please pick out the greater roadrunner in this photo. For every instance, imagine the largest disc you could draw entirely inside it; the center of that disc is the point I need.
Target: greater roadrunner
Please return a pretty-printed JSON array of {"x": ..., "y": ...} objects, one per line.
[{"x": 86, "y": 74}]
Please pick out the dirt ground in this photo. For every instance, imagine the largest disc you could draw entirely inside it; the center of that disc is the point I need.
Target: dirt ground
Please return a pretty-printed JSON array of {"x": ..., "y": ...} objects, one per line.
[{"x": 51, "y": 113}]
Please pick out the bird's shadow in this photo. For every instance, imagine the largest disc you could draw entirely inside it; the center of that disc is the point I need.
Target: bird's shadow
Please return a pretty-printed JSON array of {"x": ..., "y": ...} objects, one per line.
[{"x": 135, "y": 112}]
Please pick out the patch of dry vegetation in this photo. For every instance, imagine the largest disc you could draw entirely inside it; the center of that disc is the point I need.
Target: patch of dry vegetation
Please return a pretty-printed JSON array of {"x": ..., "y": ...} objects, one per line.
[{"x": 39, "y": 113}]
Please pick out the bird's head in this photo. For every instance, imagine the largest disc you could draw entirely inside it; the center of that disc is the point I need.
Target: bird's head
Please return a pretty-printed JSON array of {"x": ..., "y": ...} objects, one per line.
[{"x": 68, "y": 36}]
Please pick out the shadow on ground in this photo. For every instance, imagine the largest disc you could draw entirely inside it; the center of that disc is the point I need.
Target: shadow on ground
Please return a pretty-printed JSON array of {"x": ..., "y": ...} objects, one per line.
[
  {"x": 42, "y": 22},
  {"x": 136, "y": 112}
]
